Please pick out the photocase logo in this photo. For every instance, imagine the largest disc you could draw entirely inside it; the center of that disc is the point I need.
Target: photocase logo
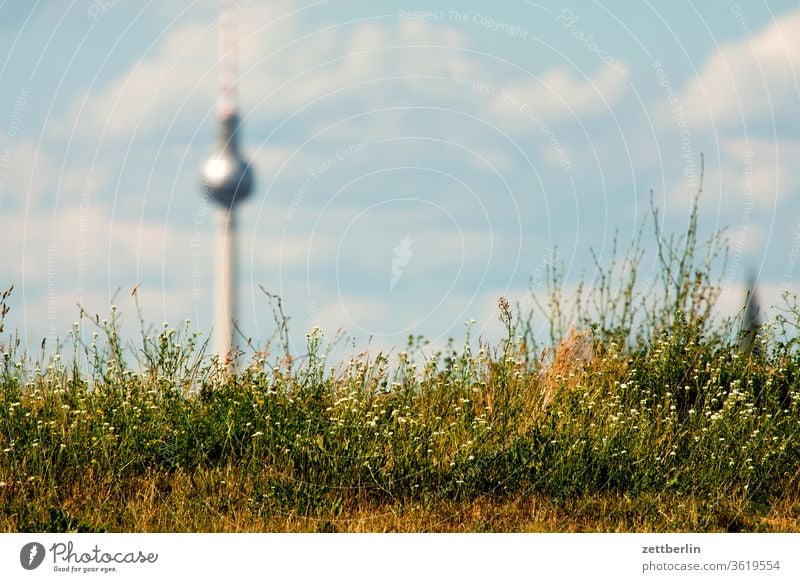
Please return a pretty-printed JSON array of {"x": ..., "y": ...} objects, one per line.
[
  {"x": 31, "y": 555},
  {"x": 402, "y": 255}
]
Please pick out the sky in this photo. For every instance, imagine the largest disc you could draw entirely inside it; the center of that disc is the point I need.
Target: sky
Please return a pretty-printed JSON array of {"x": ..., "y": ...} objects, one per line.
[{"x": 414, "y": 161}]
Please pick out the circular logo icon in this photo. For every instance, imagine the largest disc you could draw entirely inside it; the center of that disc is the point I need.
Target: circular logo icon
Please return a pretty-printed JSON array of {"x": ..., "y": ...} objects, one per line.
[{"x": 31, "y": 555}]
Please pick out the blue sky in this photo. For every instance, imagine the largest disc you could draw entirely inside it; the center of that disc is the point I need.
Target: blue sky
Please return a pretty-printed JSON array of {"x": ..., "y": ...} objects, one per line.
[{"x": 415, "y": 160}]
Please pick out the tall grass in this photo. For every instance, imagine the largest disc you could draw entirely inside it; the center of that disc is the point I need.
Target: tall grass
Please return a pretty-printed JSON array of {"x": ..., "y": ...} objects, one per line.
[{"x": 641, "y": 413}]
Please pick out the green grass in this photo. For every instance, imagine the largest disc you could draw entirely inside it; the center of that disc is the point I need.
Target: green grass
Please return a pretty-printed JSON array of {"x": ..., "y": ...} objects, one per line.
[{"x": 645, "y": 416}]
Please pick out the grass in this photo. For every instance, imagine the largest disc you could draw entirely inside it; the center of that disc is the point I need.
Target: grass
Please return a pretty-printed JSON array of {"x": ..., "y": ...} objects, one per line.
[{"x": 645, "y": 415}]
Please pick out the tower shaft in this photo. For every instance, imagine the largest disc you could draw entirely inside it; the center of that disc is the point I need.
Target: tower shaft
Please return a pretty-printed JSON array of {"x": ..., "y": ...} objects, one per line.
[{"x": 224, "y": 279}]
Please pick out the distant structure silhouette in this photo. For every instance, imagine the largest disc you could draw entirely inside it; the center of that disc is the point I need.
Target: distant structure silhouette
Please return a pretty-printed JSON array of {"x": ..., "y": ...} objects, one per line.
[
  {"x": 227, "y": 179},
  {"x": 751, "y": 324}
]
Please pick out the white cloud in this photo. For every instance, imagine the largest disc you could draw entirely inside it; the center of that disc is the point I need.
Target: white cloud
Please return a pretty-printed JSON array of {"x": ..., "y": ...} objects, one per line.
[
  {"x": 179, "y": 78},
  {"x": 749, "y": 79},
  {"x": 32, "y": 174},
  {"x": 754, "y": 176},
  {"x": 556, "y": 95},
  {"x": 731, "y": 303},
  {"x": 83, "y": 238},
  {"x": 767, "y": 169}
]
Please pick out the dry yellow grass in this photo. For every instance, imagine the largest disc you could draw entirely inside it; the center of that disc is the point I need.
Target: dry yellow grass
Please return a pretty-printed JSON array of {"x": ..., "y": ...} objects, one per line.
[
  {"x": 222, "y": 501},
  {"x": 566, "y": 365}
]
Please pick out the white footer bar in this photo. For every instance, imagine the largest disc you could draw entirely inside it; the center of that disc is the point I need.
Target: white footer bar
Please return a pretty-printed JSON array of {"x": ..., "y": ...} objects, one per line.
[{"x": 416, "y": 557}]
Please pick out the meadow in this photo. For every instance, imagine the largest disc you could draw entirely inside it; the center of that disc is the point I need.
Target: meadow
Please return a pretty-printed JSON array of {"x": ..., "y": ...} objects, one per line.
[{"x": 643, "y": 410}]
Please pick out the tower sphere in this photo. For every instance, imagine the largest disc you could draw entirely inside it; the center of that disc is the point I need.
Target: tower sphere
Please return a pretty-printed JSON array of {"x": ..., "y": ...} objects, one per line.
[{"x": 226, "y": 175}]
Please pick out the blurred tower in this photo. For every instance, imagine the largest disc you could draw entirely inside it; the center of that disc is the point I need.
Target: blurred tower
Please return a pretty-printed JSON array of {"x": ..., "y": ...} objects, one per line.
[
  {"x": 751, "y": 325},
  {"x": 227, "y": 179}
]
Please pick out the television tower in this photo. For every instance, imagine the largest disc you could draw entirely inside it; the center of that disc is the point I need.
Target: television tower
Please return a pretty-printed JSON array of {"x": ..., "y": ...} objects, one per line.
[{"x": 227, "y": 179}]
